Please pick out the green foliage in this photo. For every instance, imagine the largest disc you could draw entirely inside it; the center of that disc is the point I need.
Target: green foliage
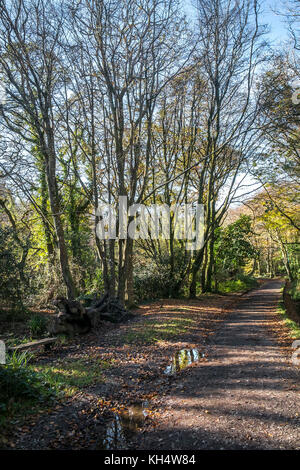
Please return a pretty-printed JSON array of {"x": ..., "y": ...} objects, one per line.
[
  {"x": 93, "y": 280},
  {"x": 86, "y": 299},
  {"x": 236, "y": 285},
  {"x": 152, "y": 284},
  {"x": 24, "y": 386},
  {"x": 147, "y": 285},
  {"x": 20, "y": 386},
  {"x": 233, "y": 248},
  {"x": 19, "y": 359},
  {"x": 295, "y": 290},
  {"x": 67, "y": 376},
  {"x": 151, "y": 331},
  {"x": 10, "y": 284},
  {"x": 291, "y": 324},
  {"x": 155, "y": 280},
  {"x": 37, "y": 325}
]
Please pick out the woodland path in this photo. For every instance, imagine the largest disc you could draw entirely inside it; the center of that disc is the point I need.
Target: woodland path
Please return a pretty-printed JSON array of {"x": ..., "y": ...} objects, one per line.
[
  {"x": 245, "y": 393},
  {"x": 246, "y": 396}
]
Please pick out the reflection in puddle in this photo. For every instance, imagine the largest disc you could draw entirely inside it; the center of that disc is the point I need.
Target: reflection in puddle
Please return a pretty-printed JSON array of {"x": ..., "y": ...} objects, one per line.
[
  {"x": 123, "y": 426},
  {"x": 182, "y": 359}
]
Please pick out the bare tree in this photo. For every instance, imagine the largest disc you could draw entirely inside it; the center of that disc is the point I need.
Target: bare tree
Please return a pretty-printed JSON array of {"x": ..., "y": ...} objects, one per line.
[
  {"x": 30, "y": 36},
  {"x": 136, "y": 47},
  {"x": 230, "y": 48}
]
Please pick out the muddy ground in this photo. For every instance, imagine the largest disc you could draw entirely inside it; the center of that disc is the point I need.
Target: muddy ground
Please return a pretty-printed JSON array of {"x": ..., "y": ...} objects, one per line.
[{"x": 241, "y": 392}]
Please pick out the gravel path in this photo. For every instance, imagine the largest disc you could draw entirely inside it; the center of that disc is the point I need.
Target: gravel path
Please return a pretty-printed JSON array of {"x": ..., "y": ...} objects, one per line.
[{"x": 246, "y": 396}]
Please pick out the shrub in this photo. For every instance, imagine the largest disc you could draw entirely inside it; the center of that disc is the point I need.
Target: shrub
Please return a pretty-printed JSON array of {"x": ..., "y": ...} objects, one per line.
[
  {"x": 295, "y": 290},
  {"x": 236, "y": 285},
  {"x": 154, "y": 283},
  {"x": 11, "y": 287},
  {"x": 20, "y": 385},
  {"x": 37, "y": 325}
]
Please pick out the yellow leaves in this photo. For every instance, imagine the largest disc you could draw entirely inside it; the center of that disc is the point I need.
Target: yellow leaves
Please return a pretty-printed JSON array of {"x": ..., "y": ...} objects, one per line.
[{"x": 103, "y": 403}]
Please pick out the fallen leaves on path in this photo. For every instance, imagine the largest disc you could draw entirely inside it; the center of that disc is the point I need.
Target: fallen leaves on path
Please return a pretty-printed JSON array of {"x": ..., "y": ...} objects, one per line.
[{"x": 138, "y": 352}]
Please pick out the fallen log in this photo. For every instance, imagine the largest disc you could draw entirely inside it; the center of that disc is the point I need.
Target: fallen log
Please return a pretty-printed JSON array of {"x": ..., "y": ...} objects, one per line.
[
  {"x": 45, "y": 343},
  {"x": 73, "y": 318},
  {"x": 108, "y": 309}
]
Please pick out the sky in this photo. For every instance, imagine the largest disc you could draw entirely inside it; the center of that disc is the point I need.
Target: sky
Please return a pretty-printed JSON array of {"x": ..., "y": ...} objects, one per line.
[
  {"x": 278, "y": 36},
  {"x": 278, "y": 32}
]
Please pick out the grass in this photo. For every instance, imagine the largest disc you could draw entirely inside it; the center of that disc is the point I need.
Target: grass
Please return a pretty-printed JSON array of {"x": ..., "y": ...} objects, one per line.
[
  {"x": 237, "y": 285},
  {"x": 26, "y": 388},
  {"x": 69, "y": 376},
  {"x": 292, "y": 326},
  {"x": 151, "y": 331},
  {"x": 21, "y": 389}
]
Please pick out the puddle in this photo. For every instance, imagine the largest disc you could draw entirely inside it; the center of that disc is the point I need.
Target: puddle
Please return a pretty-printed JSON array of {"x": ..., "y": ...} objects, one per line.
[
  {"x": 182, "y": 359},
  {"x": 123, "y": 427}
]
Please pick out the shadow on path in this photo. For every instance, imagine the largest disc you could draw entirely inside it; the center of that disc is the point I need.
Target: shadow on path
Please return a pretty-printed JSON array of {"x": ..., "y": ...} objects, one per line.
[{"x": 246, "y": 396}]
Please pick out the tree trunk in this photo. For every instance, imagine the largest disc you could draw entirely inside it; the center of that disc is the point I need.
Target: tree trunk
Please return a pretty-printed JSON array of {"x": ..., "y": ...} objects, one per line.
[
  {"x": 44, "y": 209},
  {"x": 55, "y": 209},
  {"x": 195, "y": 269},
  {"x": 286, "y": 260},
  {"x": 203, "y": 272},
  {"x": 129, "y": 276},
  {"x": 209, "y": 268}
]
